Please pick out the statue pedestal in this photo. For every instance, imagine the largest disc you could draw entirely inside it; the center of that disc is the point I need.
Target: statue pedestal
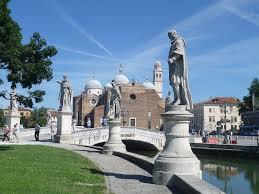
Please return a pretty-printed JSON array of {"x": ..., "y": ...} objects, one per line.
[
  {"x": 64, "y": 127},
  {"x": 12, "y": 118},
  {"x": 114, "y": 142},
  {"x": 177, "y": 156}
]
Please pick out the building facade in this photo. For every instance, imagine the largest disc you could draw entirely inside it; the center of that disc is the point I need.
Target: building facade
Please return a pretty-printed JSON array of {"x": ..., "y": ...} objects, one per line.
[
  {"x": 141, "y": 104},
  {"x": 25, "y": 112},
  {"x": 217, "y": 111}
]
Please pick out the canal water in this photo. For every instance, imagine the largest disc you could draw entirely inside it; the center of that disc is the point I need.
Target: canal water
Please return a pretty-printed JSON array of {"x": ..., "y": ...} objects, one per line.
[{"x": 231, "y": 175}]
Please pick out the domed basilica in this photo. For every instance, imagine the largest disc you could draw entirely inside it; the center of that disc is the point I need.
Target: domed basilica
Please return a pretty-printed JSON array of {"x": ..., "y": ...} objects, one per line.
[{"x": 141, "y": 104}]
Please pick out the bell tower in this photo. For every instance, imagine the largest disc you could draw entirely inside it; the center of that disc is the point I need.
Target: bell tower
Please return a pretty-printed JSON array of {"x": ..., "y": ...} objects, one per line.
[{"x": 158, "y": 78}]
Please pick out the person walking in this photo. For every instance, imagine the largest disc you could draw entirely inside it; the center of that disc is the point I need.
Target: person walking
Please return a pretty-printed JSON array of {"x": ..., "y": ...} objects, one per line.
[
  {"x": 6, "y": 133},
  {"x": 37, "y": 132},
  {"x": 14, "y": 132}
]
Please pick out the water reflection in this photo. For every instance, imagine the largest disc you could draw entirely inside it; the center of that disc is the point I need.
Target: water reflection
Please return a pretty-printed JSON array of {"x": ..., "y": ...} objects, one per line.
[{"x": 232, "y": 175}]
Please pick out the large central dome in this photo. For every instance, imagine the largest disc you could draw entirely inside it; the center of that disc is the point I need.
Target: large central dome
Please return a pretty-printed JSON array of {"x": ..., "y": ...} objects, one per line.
[
  {"x": 93, "y": 84},
  {"x": 120, "y": 78}
]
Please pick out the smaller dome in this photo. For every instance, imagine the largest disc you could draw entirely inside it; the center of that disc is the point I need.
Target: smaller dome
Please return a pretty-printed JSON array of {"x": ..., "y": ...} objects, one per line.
[
  {"x": 93, "y": 84},
  {"x": 158, "y": 64},
  {"x": 120, "y": 78},
  {"x": 108, "y": 85},
  {"x": 149, "y": 85}
]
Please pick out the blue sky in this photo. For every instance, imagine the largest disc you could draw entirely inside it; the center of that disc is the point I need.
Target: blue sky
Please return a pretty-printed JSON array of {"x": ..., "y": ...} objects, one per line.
[{"x": 94, "y": 37}]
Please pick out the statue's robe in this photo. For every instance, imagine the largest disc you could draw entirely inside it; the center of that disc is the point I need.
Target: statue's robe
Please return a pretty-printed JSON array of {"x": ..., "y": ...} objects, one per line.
[{"x": 178, "y": 70}]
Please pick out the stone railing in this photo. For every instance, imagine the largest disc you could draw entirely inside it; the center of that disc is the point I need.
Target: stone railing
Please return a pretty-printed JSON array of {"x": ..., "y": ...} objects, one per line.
[
  {"x": 30, "y": 131},
  {"x": 94, "y": 136},
  {"x": 88, "y": 136}
]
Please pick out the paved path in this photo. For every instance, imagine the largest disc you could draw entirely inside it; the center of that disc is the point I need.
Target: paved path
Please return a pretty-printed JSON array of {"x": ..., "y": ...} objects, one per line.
[{"x": 122, "y": 176}]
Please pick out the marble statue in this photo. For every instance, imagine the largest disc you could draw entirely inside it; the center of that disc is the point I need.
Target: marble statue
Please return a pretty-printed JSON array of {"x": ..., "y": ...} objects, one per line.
[
  {"x": 115, "y": 101},
  {"x": 13, "y": 101},
  {"x": 49, "y": 117},
  {"x": 65, "y": 93},
  {"x": 178, "y": 70}
]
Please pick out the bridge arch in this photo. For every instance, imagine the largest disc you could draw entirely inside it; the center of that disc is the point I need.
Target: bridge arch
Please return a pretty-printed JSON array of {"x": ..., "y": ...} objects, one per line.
[{"x": 148, "y": 138}]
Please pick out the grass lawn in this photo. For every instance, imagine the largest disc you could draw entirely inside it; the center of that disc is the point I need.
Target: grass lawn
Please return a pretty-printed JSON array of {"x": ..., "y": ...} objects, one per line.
[{"x": 33, "y": 169}]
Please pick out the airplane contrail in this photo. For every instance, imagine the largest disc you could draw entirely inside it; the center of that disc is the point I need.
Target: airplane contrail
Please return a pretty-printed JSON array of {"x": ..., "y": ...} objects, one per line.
[{"x": 69, "y": 20}]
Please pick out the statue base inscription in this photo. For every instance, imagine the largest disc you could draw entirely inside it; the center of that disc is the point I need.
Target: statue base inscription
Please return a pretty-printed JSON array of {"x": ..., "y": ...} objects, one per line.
[
  {"x": 177, "y": 156},
  {"x": 114, "y": 142}
]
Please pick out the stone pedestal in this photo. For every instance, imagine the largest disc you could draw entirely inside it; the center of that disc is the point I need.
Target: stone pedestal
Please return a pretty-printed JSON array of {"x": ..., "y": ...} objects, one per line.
[
  {"x": 64, "y": 127},
  {"x": 12, "y": 118},
  {"x": 177, "y": 156},
  {"x": 114, "y": 142}
]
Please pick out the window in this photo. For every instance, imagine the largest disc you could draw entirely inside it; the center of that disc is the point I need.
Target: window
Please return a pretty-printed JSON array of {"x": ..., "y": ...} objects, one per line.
[
  {"x": 156, "y": 75},
  {"x": 211, "y": 110},
  {"x": 212, "y": 119},
  {"x": 231, "y": 108},
  {"x": 159, "y": 75},
  {"x": 233, "y": 119},
  {"x": 132, "y": 122},
  {"x": 133, "y": 97}
]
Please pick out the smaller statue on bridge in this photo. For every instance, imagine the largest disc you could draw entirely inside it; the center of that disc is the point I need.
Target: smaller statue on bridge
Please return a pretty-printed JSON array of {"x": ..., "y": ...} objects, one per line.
[
  {"x": 65, "y": 94},
  {"x": 115, "y": 102}
]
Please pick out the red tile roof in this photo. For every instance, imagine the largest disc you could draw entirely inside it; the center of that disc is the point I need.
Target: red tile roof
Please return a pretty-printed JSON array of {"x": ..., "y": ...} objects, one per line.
[{"x": 220, "y": 100}]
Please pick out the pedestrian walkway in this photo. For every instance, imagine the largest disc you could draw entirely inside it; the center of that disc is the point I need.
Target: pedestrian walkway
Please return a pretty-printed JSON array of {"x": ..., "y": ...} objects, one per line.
[{"x": 122, "y": 176}]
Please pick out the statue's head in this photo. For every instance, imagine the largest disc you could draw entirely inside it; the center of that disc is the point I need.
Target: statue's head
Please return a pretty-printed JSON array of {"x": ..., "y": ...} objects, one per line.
[
  {"x": 65, "y": 77},
  {"x": 172, "y": 34}
]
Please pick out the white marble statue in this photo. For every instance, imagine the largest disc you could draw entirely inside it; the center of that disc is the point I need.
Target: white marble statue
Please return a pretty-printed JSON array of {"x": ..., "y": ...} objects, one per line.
[
  {"x": 178, "y": 70},
  {"x": 65, "y": 94},
  {"x": 115, "y": 101},
  {"x": 49, "y": 117},
  {"x": 13, "y": 101}
]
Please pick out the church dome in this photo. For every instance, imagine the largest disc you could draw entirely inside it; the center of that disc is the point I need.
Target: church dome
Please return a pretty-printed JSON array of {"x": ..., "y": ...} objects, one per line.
[
  {"x": 93, "y": 84},
  {"x": 120, "y": 78},
  {"x": 108, "y": 85},
  {"x": 158, "y": 64},
  {"x": 148, "y": 85}
]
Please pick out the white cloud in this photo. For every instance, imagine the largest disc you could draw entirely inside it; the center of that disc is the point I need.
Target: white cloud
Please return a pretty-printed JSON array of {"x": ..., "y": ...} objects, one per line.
[
  {"x": 250, "y": 17},
  {"x": 240, "y": 53}
]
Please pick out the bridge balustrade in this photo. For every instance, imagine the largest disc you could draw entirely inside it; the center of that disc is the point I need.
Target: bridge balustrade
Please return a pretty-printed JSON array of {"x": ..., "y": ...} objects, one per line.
[{"x": 99, "y": 135}]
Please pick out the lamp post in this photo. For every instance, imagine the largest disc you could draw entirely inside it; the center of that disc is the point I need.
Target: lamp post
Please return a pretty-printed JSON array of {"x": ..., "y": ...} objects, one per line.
[{"x": 225, "y": 141}]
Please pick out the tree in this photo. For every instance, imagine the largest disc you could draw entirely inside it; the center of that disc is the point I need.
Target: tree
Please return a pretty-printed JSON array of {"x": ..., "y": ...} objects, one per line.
[
  {"x": 26, "y": 64},
  {"x": 39, "y": 115},
  {"x": 246, "y": 104}
]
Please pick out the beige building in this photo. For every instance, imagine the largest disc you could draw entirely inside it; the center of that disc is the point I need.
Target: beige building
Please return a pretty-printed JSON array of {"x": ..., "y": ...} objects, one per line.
[
  {"x": 141, "y": 104},
  {"x": 208, "y": 113},
  {"x": 26, "y": 112}
]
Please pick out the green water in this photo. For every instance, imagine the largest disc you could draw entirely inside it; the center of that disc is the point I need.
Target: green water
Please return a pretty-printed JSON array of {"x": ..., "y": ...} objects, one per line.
[{"x": 231, "y": 175}]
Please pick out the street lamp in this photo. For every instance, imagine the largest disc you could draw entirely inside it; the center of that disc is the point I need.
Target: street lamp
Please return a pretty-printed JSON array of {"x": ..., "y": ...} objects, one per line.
[{"x": 225, "y": 141}]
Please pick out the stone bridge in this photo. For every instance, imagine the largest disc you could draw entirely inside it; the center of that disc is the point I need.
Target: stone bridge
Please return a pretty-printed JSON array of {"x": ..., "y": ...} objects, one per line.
[{"x": 83, "y": 136}]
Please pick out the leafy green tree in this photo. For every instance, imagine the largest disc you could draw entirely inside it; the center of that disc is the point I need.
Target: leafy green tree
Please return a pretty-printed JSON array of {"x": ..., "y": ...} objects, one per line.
[
  {"x": 39, "y": 115},
  {"x": 246, "y": 104},
  {"x": 26, "y": 64}
]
